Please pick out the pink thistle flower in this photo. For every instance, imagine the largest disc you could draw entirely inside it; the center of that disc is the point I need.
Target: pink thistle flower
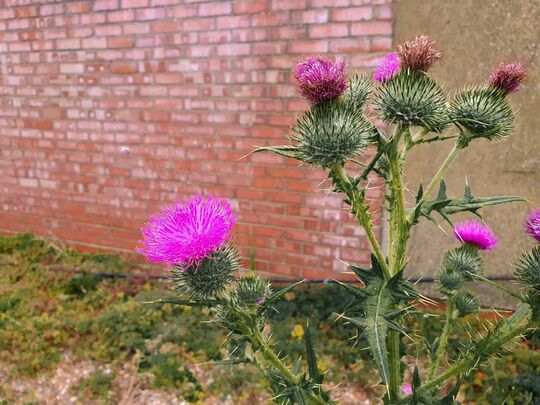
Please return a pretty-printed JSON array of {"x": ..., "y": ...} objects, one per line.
[
  {"x": 320, "y": 79},
  {"x": 388, "y": 68},
  {"x": 532, "y": 224},
  {"x": 407, "y": 389},
  {"x": 508, "y": 76},
  {"x": 475, "y": 233},
  {"x": 186, "y": 232}
]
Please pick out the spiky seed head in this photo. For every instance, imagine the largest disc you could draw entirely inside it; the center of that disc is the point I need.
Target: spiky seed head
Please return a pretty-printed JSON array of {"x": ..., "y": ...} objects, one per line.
[
  {"x": 210, "y": 276},
  {"x": 360, "y": 89},
  {"x": 466, "y": 303},
  {"x": 507, "y": 77},
  {"x": 413, "y": 98},
  {"x": 251, "y": 290},
  {"x": 419, "y": 54},
  {"x": 464, "y": 260},
  {"x": 320, "y": 79},
  {"x": 527, "y": 269},
  {"x": 331, "y": 132},
  {"x": 449, "y": 281},
  {"x": 484, "y": 112}
]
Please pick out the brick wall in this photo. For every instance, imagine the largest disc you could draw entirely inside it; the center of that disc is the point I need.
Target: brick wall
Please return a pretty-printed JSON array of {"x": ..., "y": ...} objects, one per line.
[{"x": 110, "y": 108}]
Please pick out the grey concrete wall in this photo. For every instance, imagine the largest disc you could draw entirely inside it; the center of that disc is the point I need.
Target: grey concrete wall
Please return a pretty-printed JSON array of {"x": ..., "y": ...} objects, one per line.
[{"x": 475, "y": 35}]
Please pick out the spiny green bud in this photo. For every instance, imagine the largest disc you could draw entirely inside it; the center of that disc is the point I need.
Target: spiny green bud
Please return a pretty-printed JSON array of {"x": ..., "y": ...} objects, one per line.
[
  {"x": 484, "y": 112},
  {"x": 211, "y": 275},
  {"x": 331, "y": 133},
  {"x": 413, "y": 98},
  {"x": 528, "y": 269},
  {"x": 251, "y": 290},
  {"x": 466, "y": 303},
  {"x": 448, "y": 281},
  {"x": 359, "y": 90},
  {"x": 465, "y": 260}
]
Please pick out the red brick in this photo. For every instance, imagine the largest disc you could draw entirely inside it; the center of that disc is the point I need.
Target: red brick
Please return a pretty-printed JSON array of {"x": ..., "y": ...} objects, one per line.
[
  {"x": 312, "y": 46},
  {"x": 372, "y": 28},
  {"x": 124, "y": 67},
  {"x": 215, "y": 8},
  {"x": 328, "y": 30},
  {"x": 134, "y": 3},
  {"x": 250, "y": 6},
  {"x": 352, "y": 14}
]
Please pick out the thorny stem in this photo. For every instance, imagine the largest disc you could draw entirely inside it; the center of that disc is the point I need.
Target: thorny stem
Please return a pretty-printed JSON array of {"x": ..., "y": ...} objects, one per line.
[
  {"x": 399, "y": 234},
  {"x": 360, "y": 211},
  {"x": 470, "y": 362},
  {"x": 441, "y": 349}
]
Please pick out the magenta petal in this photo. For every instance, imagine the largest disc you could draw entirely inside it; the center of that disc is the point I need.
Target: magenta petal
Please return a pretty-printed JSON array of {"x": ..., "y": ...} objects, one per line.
[
  {"x": 388, "y": 68},
  {"x": 532, "y": 224}
]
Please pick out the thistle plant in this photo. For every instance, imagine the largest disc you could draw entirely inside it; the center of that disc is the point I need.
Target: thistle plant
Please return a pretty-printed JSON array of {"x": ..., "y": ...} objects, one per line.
[{"x": 338, "y": 135}]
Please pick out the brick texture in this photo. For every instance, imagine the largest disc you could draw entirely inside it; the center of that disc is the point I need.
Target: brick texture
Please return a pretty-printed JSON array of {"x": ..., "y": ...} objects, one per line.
[{"x": 110, "y": 108}]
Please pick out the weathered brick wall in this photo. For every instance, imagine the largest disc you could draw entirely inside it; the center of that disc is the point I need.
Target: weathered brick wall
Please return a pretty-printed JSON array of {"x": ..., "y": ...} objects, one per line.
[{"x": 110, "y": 108}]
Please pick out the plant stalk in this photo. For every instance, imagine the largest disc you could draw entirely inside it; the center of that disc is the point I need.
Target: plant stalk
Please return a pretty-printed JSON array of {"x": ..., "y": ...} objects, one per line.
[
  {"x": 441, "y": 172},
  {"x": 441, "y": 349},
  {"x": 360, "y": 211},
  {"x": 500, "y": 287}
]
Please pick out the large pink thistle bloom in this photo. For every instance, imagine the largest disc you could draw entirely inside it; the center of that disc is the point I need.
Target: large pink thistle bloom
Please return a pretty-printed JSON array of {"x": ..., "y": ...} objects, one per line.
[
  {"x": 388, "y": 68},
  {"x": 532, "y": 225},
  {"x": 475, "y": 233},
  {"x": 187, "y": 232},
  {"x": 320, "y": 79},
  {"x": 507, "y": 77}
]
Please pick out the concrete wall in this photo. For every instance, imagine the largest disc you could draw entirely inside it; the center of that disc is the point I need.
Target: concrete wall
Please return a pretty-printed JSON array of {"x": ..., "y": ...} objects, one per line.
[{"x": 475, "y": 36}]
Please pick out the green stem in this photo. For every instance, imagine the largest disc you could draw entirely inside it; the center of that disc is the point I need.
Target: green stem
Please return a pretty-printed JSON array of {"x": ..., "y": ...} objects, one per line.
[
  {"x": 441, "y": 172},
  {"x": 394, "y": 363},
  {"x": 441, "y": 349},
  {"x": 500, "y": 287},
  {"x": 361, "y": 212}
]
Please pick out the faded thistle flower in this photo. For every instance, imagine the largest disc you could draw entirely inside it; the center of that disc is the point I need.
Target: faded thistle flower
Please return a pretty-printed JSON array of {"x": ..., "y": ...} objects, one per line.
[
  {"x": 388, "y": 68},
  {"x": 476, "y": 234},
  {"x": 507, "y": 77},
  {"x": 532, "y": 224},
  {"x": 184, "y": 233},
  {"x": 320, "y": 79},
  {"x": 419, "y": 54}
]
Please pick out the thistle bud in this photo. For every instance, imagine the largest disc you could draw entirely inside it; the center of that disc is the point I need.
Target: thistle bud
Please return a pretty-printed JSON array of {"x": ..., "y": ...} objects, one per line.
[
  {"x": 484, "y": 112},
  {"x": 466, "y": 303},
  {"x": 412, "y": 98},
  {"x": 320, "y": 79},
  {"x": 251, "y": 290},
  {"x": 449, "y": 281},
  {"x": 507, "y": 77},
  {"x": 419, "y": 54},
  {"x": 527, "y": 270},
  {"x": 211, "y": 275},
  {"x": 360, "y": 88},
  {"x": 331, "y": 133},
  {"x": 464, "y": 260}
]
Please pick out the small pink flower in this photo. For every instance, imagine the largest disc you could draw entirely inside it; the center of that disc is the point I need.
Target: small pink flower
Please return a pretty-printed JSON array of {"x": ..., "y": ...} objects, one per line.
[
  {"x": 186, "y": 232},
  {"x": 407, "y": 389},
  {"x": 508, "y": 76},
  {"x": 532, "y": 224},
  {"x": 388, "y": 68},
  {"x": 320, "y": 79},
  {"x": 475, "y": 233}
]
